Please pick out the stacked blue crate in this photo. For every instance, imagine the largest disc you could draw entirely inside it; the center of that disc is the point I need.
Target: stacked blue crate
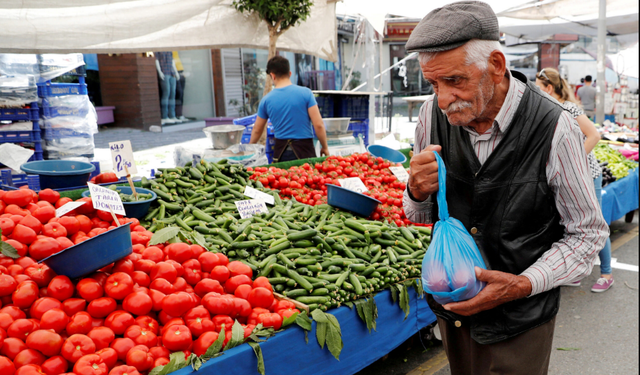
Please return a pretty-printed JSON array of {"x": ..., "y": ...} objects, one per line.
[
  {"x": 360, "y": 128},
  {"x": 32, "y": 136},
  {"x": 248, "y": 122}
]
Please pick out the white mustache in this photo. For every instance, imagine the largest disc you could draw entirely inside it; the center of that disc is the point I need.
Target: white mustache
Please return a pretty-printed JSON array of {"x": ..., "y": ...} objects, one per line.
[{"x": 457, "y": 106}]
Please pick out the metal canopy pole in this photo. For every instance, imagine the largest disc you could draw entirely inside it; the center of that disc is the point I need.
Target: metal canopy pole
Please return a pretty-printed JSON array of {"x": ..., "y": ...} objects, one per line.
[{"x": 602, "y": 45}]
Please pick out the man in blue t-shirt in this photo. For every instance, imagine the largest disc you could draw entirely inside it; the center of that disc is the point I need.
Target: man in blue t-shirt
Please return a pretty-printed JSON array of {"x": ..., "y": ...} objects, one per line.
[{"x": 292, "y": 110}]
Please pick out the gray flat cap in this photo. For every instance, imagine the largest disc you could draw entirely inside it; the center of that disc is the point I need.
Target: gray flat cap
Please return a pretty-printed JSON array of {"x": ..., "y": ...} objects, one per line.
[{"x": 453, "y": 25}]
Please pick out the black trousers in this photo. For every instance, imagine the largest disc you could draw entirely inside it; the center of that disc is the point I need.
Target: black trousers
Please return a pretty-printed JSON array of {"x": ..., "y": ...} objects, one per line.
[{"x": 525, "y": 354}]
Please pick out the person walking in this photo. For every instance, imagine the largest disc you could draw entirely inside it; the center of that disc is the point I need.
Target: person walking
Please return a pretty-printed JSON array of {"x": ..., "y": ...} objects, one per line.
[
  {"x": 293, "y": 110},
  {"x": 517, "y": 182},
  {"x": 587, "y": 96},
  {"x": 549, "y": 81}
]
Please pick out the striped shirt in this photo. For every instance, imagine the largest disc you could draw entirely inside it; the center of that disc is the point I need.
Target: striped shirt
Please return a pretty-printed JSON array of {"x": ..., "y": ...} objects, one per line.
[{"x": 570, "y": 258}]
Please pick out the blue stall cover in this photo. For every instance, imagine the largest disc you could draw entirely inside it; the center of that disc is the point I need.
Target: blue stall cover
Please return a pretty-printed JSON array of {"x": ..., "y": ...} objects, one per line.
[
  {"x": 620, "y": 197},
  {"x": 287, "y": 353}
]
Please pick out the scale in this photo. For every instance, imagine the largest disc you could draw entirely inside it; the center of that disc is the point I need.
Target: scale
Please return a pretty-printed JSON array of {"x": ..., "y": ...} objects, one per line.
[{"x": 342, "y": 144}]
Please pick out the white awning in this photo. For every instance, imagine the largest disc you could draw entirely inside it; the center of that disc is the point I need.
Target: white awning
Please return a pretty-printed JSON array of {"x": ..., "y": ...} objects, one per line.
[{"x": 125, "y": 26}]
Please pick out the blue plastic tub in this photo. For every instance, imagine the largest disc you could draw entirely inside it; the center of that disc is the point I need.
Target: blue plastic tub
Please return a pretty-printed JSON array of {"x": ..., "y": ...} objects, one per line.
[
  {"x": 91, "y": 255},
  {"x": 387, "y": 153},
  {"x": 59, "y": 173},
  {"x": 133, "y": 209},
  {"x": 357, "y": 203}
]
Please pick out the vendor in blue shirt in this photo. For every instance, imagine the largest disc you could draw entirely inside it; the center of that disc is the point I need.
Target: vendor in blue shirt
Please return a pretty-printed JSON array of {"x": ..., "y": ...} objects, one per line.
[{"x": 292, "y": 110}]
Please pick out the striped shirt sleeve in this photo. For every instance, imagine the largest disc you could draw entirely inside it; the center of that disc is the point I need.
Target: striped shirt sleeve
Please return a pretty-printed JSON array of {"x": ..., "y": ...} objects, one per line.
[
  {"x": 586, "y": 231},
  {"x": 420, "y": 212}
]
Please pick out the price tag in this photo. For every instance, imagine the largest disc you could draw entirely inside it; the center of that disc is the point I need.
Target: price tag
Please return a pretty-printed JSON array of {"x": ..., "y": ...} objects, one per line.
[
  {"x": 250, "y": 207},
  {"x": 353, "y": 184},
  {"x": 68, "y": 208},
  {"x": 400, "y": 173},
  {"x": 121, "y": 155},
  {"x": 104, "y": 198},
  {"x": 257, "y": 194}
]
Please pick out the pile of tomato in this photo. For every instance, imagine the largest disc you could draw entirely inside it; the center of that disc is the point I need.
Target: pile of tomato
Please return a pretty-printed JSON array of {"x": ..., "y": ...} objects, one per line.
[
  {"x": 125, "y": 318},
  {"x": 307, "y": 184}
]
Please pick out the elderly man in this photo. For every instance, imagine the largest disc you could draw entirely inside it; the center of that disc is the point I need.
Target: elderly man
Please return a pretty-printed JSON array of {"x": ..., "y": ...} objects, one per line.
[{"x": 517, "y": 178}]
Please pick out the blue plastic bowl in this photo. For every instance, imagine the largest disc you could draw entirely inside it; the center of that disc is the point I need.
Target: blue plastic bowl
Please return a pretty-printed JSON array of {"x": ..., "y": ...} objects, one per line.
[
  {"x": 357, "y": 203},
  {"x": 387, "y": 153},
  {"x": 133, "y": 209},
  {"x": 59, "y": 173},
  {"x": 91, "y": 255}
]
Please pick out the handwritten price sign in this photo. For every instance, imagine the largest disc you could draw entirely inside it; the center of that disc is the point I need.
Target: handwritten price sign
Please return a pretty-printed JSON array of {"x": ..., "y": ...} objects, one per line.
[
  {"x": 121, "y": 156},
  {"x": 250, "y": 207},
  {"x": 106, "y": 199},
  {"x": 353, "y": 184}
]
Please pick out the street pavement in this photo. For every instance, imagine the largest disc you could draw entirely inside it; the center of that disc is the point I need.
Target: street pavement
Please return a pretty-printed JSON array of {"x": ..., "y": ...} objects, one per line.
[
  {"x": 596, "y": 333},
  {"x": 143, "y": 140}
]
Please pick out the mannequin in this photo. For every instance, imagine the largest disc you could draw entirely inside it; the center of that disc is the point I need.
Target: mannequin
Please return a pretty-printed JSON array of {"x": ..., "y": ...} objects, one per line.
[
  {"x": 167, "y": 72},
  {"x": 180, "y": 83}
]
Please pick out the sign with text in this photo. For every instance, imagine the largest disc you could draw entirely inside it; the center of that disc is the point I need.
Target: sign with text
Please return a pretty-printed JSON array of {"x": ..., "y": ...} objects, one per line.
[
  {"x": 353, "y": 184},
  {"x": 121, "y": 155},
  {"x": 106, "y": 199},
  {"x": 68, "y": 208},
  {"x": 257, "y": 194},
  {"x": 250, "y": 207},
  {"x": 400, "y": 173}
]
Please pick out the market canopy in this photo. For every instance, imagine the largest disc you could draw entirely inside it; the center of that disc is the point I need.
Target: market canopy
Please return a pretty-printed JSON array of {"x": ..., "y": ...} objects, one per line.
[{"x": 127, "y": 26}]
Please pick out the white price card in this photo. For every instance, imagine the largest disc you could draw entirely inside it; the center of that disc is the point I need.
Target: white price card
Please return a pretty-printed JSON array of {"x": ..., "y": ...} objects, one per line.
[
  {"x": 250, "y": 207},
  {"x": 353, "y": 184},
  {"x": 68, "y": 207},
  {"x": 400, "y": 173},
  {"x": 257, "y": 194},
  {"x": 121, "y": 155},
  {"x": 105, "y": 199}
]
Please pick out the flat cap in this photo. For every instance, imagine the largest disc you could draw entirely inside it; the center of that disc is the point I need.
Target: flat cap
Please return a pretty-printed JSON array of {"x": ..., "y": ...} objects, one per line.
[{"x": 453, "y": 25}]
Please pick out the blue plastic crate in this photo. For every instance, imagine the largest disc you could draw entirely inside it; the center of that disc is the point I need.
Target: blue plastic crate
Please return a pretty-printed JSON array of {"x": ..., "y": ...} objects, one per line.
[
  {"x": 59, "y": 89},
  {"x": 270, "y": 157},
  {"x": 359, "y": 126},
  {"x": 249, "y": 120},
  {"x": 355, "y": 107},
  {"x": 325, "y": 105},
  {"x": 20, "y": 136},
  {"x": 271, "y": 143},
  {"x": 50, "y": 112},
  {"x": 51, "y": 134},
  {"x": 247, "y": 130},
  {"x": 20, "y": 114},
  {"x": 245, "y": 139},
  {"x": 365, "y": 137}
]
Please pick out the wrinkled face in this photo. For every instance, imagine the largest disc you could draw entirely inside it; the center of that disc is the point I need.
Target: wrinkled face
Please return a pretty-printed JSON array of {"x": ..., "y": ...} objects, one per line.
[{"x": 464, "y": 91}]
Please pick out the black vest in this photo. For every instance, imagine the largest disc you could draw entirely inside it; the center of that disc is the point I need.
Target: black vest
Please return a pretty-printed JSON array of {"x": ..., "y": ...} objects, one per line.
[{"x": 507, "y": 199}]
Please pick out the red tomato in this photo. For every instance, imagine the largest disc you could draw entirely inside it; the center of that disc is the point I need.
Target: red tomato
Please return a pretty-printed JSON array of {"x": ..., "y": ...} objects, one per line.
[
  {"x": 109, "y": 356},
  {"x": 44, "y": 214},
  {"x": 153, "y": 253},
  {"x": 118, "y": 321},
  {"x": 91, "y": 364},
  {"x": 7, "y": 285},
  {"x": 46, "y": 342},
  {"x": 165, "y": 271},
  {"x": 42, "y": 305},
  {"x": 217, "y": 304},
  {"x": 203, "y": 342},
  {"x": 7, "y": 226},
  {"x": 122, "y": 346},
  {"x": 11, "y": 347},
  {"x": 220, "y": 273},
  {"x": 138, "y": 303},
  {"x": 260, "y": 297},
  {"x": 55, "y": 319},
  {"x": 124, "y": 370},
  {"x": 18, "y": 197},
  {"x": 141, "y": 336},
  {"x": 81, "y": 322},
  {"x": 54, "y": 230},
  {"x": 119, "y": 285},
  {"x": 101, "y": 307},
  {"x": 27, "y": 357},
  {"x": 208, "y": 285},
  {"x": 243, "y": 291},
  {"x": 77, "y": 346},
  {"x": 156, "y": 297},
  {"x": 235, "y": 281},
  {"x": 23, "y": 234},
  {"x": 55, "y": 365},
  {"x": 72, "y": 306},
  {"x": 177, "y": 304},
  {"x": 89, "y": 289},
  {"x": 262, "y": 282},
  {"x": 176, "y": 338},
  {"x": 84, "y": 221},
  {"x": 101, "y": 337},
  {"x": 6, "y": 366},
  {"x": 41, "y": 274},
  {"x": 21, "y": 328},
  {"x": 25, "y": 294}
]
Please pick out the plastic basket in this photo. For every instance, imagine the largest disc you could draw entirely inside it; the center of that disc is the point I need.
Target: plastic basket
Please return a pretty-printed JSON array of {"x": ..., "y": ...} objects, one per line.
[
  {"x": 249, "y": 120},
  {"x": 91, "y": 255},
  {"x": 52, "y": 134},
  {"x": 19, "y": 136},
  {"x": 246, "y": 138},
  {"x": 355, "y": 107},
  {"x": 59, "y": 89},
  {"x": 133, "y": 209},
  {"x": 50, "y": 112},
  {"x": 357, "y": 203},
  {"x": 20, "y": 114},
  {"x": 325, "y": 105},
  {"x": 387, "y": 153},
  {"x": 359, "y": 126},
  {"x": 270, "y": 157},
  {"x": 60, "y": 173}
]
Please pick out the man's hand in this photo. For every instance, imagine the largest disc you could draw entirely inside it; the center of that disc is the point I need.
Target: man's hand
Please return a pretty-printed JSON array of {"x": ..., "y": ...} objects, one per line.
[
  {"x": 161, "y": 75},
  {"x": 501, "y": 287},
  {"x": 423, "y": 180},
  {"x": 324, "y": 152}
]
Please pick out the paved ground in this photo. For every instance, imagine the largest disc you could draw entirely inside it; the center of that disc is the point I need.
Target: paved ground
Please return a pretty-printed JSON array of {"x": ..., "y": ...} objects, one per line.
[
  {"x": 143, "y": 140},
  {"x": 596, "y": 333}
]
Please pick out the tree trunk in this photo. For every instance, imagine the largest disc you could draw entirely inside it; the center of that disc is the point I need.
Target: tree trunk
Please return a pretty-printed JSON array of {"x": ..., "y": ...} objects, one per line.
[{"x": 268, "y": 83}]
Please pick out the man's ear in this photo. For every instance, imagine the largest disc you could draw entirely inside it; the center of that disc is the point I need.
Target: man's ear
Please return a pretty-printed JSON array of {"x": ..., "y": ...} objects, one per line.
[{"x": 497, "y": 66}]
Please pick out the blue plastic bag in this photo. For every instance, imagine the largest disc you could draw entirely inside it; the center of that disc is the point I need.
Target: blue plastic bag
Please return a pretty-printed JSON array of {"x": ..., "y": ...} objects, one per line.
[{"x": 448, "y": 266}]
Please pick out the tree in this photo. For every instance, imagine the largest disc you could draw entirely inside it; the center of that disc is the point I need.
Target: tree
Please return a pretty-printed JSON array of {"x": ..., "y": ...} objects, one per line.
[{"x": 279, "y": 15}]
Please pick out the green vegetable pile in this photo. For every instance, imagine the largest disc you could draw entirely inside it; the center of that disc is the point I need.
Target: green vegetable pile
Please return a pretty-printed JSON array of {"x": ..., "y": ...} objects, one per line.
[
  {"x": 318, "y": 255},
  {"x": 130, "y": 197},
  {"x": 617, "y": 163}
]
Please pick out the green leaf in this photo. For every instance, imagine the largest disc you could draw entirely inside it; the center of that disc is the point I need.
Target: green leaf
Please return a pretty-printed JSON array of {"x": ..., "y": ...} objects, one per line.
[
  {"x": 321, "y": 333},
  {"x": 404, "y": 300},
  {"x": 184, "y": 237},
  {"x": 334, "y": 341},
  {"x": 349, "y": 304},
  {"x": 334, "y": 322},
  {"x": 199, "y": 239},
  {"x": 237, "y": 336},
  {"x": 164, "y": 235},
  {"x": 258, "y": 351},
  {"x": 568, "y": 349},
  {"x": 196, "y": 364},
  {"x": 306, "y": 337},
  {"x": 368, "y": 313},
  {"x": 394, "y": 293},
  {"x": 417, "y": 285},
  {"x": 9, "y": 251},
  {"x": 192, "y": 357},
  {"x": 215, "y": 347},
  {"x": 290, "y": 320},
  {"x": 303, "y": 321},
  {"x": 176, "y": 362},
  {"x": 360, "y": 310},
  {"x": 156, "y": 370}
]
